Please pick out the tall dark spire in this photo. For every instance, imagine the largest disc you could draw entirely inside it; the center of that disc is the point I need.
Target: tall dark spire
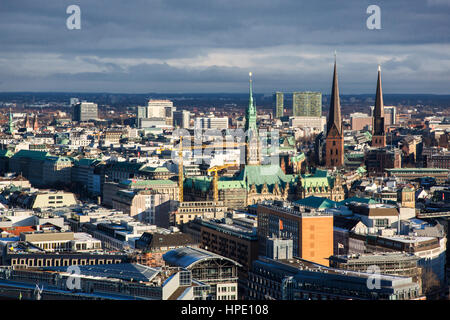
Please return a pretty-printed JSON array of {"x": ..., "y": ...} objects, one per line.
[
  {"x": 378, "y": 130},
  {"x": 379, "y": 107},
  {"x": 335, "y": 134},
  {"x": 334, "y": 116}
]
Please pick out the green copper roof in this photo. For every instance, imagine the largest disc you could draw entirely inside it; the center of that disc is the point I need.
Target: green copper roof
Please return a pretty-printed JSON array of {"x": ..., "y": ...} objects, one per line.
[
  {"x": 361, "y": 170},
  {"x": 265, "y": 174},
  {"x": 299, "y": 157},
  {"x": 147, "y": 183},
  {"x": 257, "y": 175},
  {"x": 368, "y": 135},
  {"x": 320, "y": 179},
  {"x": 37, "y": 155},
  {"x": 317, "y": 202}
]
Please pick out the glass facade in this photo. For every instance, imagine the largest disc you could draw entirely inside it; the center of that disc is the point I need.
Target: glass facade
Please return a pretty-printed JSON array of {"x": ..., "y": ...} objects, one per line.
[{"x": 307, "y": 104}]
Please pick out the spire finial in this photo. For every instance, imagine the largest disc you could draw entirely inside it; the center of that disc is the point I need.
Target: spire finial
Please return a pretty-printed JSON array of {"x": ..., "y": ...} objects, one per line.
[
  {"x": 379, "y": 67},
  {"x": 335, "y": 54}
]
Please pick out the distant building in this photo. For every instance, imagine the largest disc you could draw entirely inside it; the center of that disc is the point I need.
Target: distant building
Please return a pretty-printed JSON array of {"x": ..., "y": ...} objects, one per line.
[
  {"x": 279, "y": 104},
  {"x": 314, "y": 124},
  {"x": 211, "y": 123},
  {"x": 141, "y": 112},
  {"x": 439, "y": 160},
  {"x": 360, "y": 121},
  {"x": 181, "y": 119},
  {"x": 408, "y": 174},
  {"x": 307, "y": 104},
  {"x": 390, "y": 115},
  {"x": 157, "y": 108},
  {"x": 85, "y": 111}
]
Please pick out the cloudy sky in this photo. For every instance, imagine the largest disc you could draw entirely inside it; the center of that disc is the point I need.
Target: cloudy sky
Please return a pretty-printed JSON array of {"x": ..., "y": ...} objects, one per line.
[{"x": 143, "y": 46}]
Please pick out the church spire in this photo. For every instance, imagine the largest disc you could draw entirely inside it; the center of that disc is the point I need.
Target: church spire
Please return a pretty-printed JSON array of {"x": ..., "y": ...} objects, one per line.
[
  {"x": 378, "y": 131},
  {"x": 379, "y": 107},
  {"x": 252, "y": 148},
  {"x": 250, "y": 116},
  {"x": 334, "y": 116},
  {"x": 334, "y": 145}
]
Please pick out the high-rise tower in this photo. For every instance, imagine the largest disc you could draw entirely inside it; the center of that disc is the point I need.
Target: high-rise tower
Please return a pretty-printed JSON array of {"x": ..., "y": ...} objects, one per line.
[
  {"x": 334, "y": 156},
  {"x": 378, "y": 131},
  {"x": 10, "y": 128},
  {"x": 252, "y": 148}
]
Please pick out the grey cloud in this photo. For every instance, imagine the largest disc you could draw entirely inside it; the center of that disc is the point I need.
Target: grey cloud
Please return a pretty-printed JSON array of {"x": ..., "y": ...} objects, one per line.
[{"x": 169, "y": 29}]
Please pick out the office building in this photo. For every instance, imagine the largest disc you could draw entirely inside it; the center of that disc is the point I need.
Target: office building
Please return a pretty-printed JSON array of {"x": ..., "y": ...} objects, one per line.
[
  {"x": 157, "y": 108},
  {"x": 360, "y": 121},
  {"x": 211, "y": 123},
  {"x": 312, "y": 125},
  {"x": 390, "y": 115},
  {"x": 307, "y": 104},
  {"x": 181, "y": 119},
  {"x": 310, "y": 230},
  {"x": 85, "y": 111},
  {"x": 141, "y": 112},
  {"x": 279, "y": 104},
  {"x": 299, "y": 279}
]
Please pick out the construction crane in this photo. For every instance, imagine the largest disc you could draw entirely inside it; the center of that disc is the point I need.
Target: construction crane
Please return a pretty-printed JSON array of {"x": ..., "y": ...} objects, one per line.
[
  {"x": 180, "y": 163},
  {"x": 216, "y": 169}
]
